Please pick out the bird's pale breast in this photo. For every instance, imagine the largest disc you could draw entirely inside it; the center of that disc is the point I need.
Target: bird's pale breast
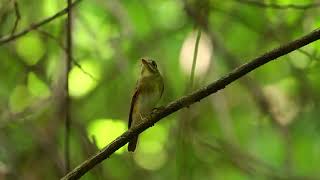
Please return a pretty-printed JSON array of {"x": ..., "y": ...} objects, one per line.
[{"x": 146, "y": 101}]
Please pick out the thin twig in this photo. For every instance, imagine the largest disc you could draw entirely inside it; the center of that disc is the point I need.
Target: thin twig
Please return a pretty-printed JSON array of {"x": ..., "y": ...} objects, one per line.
[
  {"x": 182, "y": 161},
  {"x": 75, "y": 61},
  {"x": 12, "y": 37},
  {"x": 18, "y": 16},
  {"x": 192, "y": 98},
  {"x": 194, "y": 62},
  {"x": 310, "y": 56},
  {"x": 67, "y": 98},
  {"x": 262, "y": 4}
]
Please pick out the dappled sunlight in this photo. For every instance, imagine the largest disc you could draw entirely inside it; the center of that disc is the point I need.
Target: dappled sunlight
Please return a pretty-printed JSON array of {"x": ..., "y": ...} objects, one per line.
[
  {"x": 71, "y": 73},
  {"x": 30, "y": 48},
  {"x": 299, "y": 60},
  {"x": 52, "y": 6},
  {"x": 37, "y": 87},
  {"x": 150, "y": 161},
  {"x": 282, "y": 106},
  {"x": 153, "y": 139},
  {"x": 81, "y": 83},
  {"x": 150, "y": 153},
  {"x": 104, "y": 131},
  {"x": 20, "y": 98},
  {"x": 203, "y": 58},
  {"x": 291, "y": 15},
  {"x": 168, "y": 13},
  {"x": 93, "y": 33}
]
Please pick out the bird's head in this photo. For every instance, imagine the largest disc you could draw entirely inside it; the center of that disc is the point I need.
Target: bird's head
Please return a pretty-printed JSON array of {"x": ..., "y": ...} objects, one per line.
[{"x": 149, "y": 68}]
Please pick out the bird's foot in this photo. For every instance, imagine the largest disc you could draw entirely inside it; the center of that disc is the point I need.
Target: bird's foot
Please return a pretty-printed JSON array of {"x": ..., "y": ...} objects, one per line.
[{"x": 156, "y": 109}]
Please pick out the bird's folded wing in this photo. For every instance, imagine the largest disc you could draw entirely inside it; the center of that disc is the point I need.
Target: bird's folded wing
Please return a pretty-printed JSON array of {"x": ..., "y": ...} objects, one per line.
[{"x": 133, "y": 102}]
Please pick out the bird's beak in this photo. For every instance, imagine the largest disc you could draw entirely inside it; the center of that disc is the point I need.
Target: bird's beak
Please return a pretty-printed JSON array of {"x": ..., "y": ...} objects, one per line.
[{"x": 146, "y": 64}]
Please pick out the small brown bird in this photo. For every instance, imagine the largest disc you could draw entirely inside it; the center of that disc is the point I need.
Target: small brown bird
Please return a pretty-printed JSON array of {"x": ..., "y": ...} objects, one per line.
[{"x": 147, "y": 93}]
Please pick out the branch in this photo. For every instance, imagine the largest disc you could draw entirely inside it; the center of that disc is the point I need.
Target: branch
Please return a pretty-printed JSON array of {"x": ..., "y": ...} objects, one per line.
[
  {"x": 67, "y": 98},
  {"x": 194, "y": 61},
  {"x": 18, "y": 16},
  {"x": 12, "y": 37},
  {"x": 60, "y": 44},
  {"x": 261, "y": 4},
  {"x": 186, "y": 101}
]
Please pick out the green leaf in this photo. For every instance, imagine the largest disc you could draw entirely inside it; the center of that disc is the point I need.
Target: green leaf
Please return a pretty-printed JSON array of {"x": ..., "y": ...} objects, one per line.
[
  {"x": 30, "y": 48},
  {"x": 20, "y": 98},
  {"x": 37, "y": 87}
]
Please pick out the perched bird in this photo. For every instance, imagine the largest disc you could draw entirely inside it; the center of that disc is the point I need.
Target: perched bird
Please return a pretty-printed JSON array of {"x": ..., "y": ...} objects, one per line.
[{"x": 148, "y": 92}]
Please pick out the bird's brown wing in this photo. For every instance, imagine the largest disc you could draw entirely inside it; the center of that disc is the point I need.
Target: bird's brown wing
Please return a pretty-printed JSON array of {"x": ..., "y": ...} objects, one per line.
[{"x": 133, "y": 101}]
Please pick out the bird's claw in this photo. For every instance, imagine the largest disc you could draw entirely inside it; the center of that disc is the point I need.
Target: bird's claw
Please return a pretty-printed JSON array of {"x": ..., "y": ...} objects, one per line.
[{"x": 156, "y": 109}]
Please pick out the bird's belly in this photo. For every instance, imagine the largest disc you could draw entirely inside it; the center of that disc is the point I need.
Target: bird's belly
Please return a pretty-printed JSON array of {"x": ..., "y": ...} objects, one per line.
[{"x": 147, "y": 102}]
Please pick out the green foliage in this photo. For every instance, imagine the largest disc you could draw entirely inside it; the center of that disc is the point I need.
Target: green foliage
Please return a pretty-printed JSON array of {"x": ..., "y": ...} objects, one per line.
[
  {"x": 19, "y": 99},
  {"x": 229, "y": 135},
  {"x": 104, "y": 131},
  {"x": 30, "y": 48},
  {"x": 84, "y": 80},
  {"x": 37, "y": 87}
]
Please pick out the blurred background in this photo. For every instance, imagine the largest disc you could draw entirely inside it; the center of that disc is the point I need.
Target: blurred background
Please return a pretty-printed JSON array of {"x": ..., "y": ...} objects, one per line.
[{"x": 263, "y": 126}]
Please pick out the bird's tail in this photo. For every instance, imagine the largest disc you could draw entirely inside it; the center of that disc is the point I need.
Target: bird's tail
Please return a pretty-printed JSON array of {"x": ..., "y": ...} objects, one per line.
[{"x": 132, "y": 144}]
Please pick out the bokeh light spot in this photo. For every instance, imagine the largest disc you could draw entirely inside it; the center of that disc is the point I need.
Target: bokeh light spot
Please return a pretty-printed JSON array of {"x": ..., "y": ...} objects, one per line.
[
  {"x": 106, "y": 130},
  {"x": 157, "y": 134},
  {"x": 52, "y": 6},
  {"x": 80, "y": 82},
  {"x": 203, "y": 58},
  {"x": 150, "y": 161},
  {"x": 150, "y": 153},
  {"x": 299, "y": 60},
  {"x": 30, "y": 48},
  {"x": 283, "y": 108},
  {"x": 37, "y": 87},
  {"x": 20, "y": 98}
]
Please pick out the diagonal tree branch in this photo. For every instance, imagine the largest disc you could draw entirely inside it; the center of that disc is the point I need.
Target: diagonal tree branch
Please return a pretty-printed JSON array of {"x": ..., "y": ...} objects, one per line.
[
  {"x": 262, "y": 4},
  {"x": 12, "y": 37},
  {"x": 186, "y": 101}
]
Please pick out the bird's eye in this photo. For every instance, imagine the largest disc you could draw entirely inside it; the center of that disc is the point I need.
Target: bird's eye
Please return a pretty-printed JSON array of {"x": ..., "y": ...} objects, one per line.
[{"x": 154, "y": 63}]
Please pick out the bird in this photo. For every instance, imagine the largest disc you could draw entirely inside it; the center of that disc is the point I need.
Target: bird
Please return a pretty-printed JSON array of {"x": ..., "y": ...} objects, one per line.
[{"x": 148, "y": 92}]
